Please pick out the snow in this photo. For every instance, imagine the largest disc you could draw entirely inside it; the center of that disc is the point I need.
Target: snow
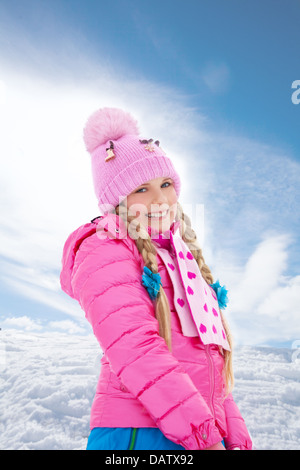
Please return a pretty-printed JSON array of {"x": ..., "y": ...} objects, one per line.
[{"x": 47, "y": 383}]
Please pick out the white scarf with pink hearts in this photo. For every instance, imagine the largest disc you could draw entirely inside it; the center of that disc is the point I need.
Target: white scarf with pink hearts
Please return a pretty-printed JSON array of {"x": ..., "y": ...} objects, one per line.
[{"x": 195, "y": 301}]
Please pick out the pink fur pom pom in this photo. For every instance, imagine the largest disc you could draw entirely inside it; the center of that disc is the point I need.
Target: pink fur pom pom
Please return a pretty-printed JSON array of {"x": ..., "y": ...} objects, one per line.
[{"x": 108, "y": 124}]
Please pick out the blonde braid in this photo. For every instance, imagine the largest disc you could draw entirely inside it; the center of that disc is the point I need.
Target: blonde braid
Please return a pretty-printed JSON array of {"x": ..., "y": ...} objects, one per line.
[
  {"x": 190, "y": 238},
  {"x": 162, "y": 307},
  {"x": 148, "y": 251}
]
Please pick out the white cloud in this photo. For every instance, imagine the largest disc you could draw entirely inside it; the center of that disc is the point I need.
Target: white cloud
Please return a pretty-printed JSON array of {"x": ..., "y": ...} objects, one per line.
[
  {"x": 262, "y": 273},
  {"x": 283, "y": 302},
  {"x": 250, "y": 190},
  {"x": 264, "y": 301},
  {"x": 46, "y": 179},
  {"x": 24, "y": 323},
  {"x": 66, "y": 326},
  {"x": 216, "y": 76},
  {"x": 48, "y": 189},
  {"x": 39, "y": 284}
]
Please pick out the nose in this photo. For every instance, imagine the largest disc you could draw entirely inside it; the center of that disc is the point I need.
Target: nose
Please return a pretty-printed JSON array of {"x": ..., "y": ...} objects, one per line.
[
  {"x": 159, "y": 201},
  {"x": 159, "y": 197}
]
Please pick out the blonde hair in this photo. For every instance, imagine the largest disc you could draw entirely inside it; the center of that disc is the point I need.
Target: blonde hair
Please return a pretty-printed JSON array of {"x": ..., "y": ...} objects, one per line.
[{"x": 162, "y": 307}]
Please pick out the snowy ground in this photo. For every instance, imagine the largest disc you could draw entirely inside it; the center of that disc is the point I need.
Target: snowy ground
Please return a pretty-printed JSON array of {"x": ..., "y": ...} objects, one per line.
[{"x": 47, "y": 382}]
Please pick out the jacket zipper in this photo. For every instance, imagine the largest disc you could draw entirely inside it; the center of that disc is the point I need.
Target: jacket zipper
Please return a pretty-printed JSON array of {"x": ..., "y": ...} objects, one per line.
[
  {"x": 132, "y": 439},
  {"x": 211, "y": 379}
]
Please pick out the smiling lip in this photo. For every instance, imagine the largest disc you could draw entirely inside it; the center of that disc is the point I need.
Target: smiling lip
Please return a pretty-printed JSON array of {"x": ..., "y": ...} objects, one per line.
[{"x": 158, "y": 215}]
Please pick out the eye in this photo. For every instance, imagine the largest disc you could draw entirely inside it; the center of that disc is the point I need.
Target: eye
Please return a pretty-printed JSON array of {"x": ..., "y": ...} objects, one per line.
[{"x": 142, "y": 190}]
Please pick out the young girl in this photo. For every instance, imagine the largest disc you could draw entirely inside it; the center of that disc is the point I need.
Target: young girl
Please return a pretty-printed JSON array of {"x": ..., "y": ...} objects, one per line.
[{"x": 140, "y": 276}]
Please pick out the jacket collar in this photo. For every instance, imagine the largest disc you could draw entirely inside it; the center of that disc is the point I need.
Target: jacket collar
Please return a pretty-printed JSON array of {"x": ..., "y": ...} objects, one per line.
[{"x": 163, "y": 239}]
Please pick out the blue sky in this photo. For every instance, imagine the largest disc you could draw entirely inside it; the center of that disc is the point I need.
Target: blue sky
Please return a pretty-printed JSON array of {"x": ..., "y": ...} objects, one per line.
[{"x": 210, "y": 79}]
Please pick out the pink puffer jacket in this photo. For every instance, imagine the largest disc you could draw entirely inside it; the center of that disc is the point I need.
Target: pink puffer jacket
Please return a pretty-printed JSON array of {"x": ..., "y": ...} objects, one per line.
[{"x": 141, "y": 383}]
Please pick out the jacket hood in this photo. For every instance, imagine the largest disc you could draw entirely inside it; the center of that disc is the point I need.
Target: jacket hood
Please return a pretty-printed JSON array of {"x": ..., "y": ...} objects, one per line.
[
  {"x": 70, "y": 249},
  {"x": 109, "y": 226}
]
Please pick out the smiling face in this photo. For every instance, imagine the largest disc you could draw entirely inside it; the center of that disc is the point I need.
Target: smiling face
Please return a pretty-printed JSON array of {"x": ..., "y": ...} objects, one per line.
[{"x": 154, "y": 204}]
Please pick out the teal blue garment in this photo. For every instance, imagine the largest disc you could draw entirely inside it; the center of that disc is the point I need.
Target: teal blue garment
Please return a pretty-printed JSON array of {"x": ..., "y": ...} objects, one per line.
[
  {"x": 152, "y": 282},
  {"x": 221, "y": 293},
  {"x": 129, "y": 439}
]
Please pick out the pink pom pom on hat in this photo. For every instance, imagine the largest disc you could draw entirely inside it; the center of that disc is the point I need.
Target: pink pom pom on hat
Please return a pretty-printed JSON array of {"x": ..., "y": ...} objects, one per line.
[{"x": 121, "y": 159}]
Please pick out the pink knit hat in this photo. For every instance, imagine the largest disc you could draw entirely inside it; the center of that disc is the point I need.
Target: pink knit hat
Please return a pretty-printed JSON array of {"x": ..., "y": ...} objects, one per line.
[{"x": 121, "y": 160}]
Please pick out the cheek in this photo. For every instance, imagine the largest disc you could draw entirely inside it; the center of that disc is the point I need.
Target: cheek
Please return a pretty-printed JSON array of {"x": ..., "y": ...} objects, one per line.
[
  {"x": 172, "y": 199},
  {"x": 136, "y": 207}
]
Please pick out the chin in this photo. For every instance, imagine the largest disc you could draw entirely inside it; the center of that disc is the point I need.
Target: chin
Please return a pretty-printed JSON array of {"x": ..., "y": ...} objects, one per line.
[{"x": 160, "y": 225}]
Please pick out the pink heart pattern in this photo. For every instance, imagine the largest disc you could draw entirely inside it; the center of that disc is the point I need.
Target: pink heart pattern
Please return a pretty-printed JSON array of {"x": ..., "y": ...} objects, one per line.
[
  {"x": 190, "y": 290},
  {"x": 213, "y": 294},
  {"x": 214, "y": 311},
  {"x": 191, "y": 275},
  {"x": 190, "y": 293}
]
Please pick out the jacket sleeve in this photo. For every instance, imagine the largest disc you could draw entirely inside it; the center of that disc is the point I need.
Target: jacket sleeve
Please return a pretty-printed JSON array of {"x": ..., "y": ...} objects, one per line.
[
  {"x": 237, "y": 433},
  {"x": 107, "y": 282}
]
